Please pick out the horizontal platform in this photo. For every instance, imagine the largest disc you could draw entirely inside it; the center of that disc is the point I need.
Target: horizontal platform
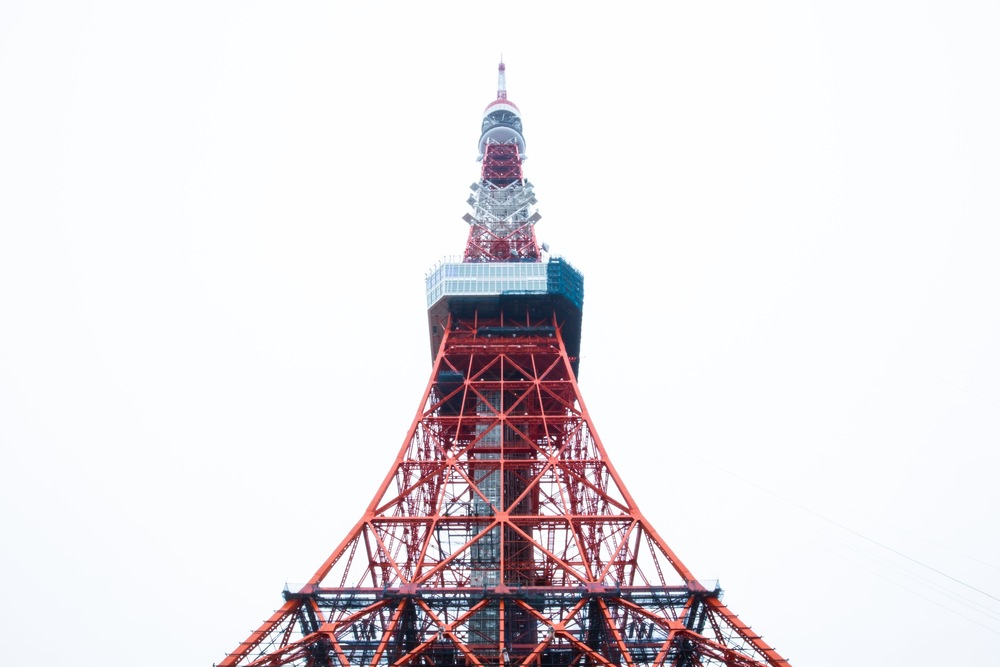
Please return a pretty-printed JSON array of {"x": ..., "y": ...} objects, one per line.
[
  {"x": 359, "y": 598},
  {"x": 455, "y": 278},
  {"x": 490, "y": 288}
]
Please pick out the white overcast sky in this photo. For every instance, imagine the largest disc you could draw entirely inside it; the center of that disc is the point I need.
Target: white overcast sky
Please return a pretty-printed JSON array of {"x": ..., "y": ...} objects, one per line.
[{"x": 215, "y": 221}]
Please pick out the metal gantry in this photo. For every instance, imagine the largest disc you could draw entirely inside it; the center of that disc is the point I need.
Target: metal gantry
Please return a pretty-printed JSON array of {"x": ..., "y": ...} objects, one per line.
[{"x": 502, "y": 534}]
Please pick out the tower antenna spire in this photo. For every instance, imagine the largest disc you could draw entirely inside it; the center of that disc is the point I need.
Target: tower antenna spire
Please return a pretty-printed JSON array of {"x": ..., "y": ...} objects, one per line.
[{"x": 502, "y": 80}]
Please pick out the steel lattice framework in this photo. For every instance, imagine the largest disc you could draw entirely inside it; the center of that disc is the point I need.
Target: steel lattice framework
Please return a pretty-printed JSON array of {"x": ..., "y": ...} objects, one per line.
[
  {"x": 502, "y": 226},
  {"x": 502, "y": 534}
]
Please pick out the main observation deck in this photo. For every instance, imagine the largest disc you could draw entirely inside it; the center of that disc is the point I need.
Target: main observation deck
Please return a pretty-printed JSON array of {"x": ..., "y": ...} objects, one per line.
[{"x": 490, "y": 289}]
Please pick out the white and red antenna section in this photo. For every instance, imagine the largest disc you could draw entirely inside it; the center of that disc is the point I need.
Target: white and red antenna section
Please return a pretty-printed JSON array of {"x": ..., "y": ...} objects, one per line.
[{"x": 502, "y": 225}]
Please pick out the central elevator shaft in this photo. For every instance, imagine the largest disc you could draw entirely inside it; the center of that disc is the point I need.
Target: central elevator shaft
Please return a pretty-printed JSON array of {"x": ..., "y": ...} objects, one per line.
[{"x": 500, "y": 412}]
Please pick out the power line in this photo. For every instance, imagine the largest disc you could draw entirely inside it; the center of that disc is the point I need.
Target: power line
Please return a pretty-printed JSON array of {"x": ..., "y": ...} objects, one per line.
[{"x": 848, "y": 529}]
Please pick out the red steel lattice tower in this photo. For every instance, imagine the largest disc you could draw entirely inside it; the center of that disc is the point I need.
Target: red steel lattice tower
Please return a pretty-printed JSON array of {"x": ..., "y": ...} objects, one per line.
[{"x": 502, "y": 534}]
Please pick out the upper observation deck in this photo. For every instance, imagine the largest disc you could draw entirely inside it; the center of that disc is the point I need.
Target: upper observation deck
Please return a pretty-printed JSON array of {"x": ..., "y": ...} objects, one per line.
[{"x": 542, "y": 289}]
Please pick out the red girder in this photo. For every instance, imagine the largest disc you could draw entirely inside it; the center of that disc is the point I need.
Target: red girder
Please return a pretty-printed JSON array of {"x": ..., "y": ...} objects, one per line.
[
  {"x": 501, "y": 164},
  {"x": 504, "y": 481}
]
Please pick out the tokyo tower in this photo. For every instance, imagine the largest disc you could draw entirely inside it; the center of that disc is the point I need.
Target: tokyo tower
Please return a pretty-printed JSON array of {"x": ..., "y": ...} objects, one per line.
[{"x": 502, "y": 534}]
